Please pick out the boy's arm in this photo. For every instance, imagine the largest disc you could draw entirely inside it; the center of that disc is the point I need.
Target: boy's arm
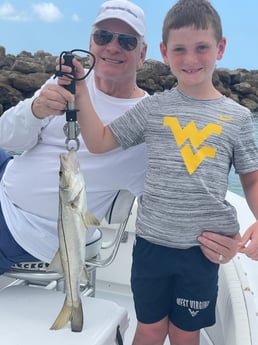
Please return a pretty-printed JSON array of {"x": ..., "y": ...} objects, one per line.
[
  {"x": 97, "y": 137},
  {"x": 250, "y": 186}
]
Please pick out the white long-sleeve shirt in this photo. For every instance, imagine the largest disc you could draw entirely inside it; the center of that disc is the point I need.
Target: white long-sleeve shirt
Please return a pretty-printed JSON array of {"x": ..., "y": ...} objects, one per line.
[{"x": 29, "y": 187}]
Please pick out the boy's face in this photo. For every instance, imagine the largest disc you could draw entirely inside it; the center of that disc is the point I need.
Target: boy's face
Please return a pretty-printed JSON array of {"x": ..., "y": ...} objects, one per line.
[{"x": 192, "y": 55}]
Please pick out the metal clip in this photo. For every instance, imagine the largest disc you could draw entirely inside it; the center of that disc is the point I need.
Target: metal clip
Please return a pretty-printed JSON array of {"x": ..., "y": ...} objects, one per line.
[{"x": 71, "y": 131}]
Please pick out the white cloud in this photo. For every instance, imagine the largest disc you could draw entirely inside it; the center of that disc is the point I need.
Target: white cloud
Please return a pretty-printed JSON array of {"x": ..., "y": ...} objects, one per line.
[
  {"x": 8, "y": 12},
  {"x": 76, "y": 18},
  {"x": 43, "y": 11},
  {"x": 48, "y": 12}
]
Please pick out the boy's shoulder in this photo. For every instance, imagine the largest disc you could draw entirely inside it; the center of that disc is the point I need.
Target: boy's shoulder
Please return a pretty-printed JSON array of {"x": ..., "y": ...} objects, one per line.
[
  {"x": 229, "y": 102},
  {"x": 241, "y": 115}
]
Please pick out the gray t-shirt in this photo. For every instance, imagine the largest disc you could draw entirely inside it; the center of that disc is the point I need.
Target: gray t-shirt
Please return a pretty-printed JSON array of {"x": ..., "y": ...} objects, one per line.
[{"x": 191, "y": 146}]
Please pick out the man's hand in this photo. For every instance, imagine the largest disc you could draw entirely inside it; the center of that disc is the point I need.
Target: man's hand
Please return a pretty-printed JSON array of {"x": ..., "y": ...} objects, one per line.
[
  {"x": 52, "y": 100},
  {"x": 249, "y": 242},
  {"x": 219, "y": 249}
]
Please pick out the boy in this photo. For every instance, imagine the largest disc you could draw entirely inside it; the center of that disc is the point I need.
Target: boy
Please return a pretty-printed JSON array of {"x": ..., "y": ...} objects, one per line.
[{"x": 193, "y": 136}]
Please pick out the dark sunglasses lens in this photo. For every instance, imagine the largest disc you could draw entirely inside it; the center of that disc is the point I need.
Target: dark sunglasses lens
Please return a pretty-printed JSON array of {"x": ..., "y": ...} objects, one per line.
[
  {"x": 102, "y": 37},
  {"x": 127, "y": 42}
]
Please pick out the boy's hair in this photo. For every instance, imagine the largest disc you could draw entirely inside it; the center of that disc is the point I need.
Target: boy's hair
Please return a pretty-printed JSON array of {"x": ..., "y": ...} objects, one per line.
[{"x": 197, "y": 13}]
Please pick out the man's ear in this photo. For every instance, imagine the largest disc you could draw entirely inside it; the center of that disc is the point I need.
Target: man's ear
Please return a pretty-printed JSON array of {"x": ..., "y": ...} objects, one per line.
[{"x": 142, "y": 55}]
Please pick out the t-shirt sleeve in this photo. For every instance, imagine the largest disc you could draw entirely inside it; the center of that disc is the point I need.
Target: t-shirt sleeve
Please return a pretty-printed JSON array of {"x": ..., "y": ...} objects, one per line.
[{"x": 129, "y": 129}]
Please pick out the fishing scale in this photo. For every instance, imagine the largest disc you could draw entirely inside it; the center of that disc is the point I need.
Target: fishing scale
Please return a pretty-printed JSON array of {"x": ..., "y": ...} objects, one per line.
[{"x": 72, "y": 127}]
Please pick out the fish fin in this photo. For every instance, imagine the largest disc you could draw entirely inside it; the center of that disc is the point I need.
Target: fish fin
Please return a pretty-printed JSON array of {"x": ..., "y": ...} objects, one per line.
[
  {"x": 84, "y": 275},
  {"x": 90, "y": 219},
  {"x": 77, "y": 318},
  {"x": 56, "y": 264},
  {"x": 63, "y": 317}
]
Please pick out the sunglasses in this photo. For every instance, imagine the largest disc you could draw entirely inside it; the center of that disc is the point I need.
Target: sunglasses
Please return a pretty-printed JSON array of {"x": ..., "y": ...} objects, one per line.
[{"x": 126, "y": 41}]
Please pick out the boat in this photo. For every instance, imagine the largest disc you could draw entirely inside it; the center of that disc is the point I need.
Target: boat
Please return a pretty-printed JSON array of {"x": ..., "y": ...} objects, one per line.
[{"x": 236, "y": 312}]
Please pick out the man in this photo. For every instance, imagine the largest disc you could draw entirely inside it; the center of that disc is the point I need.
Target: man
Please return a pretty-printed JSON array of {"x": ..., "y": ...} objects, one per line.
[{"x": 29, "y": 186}]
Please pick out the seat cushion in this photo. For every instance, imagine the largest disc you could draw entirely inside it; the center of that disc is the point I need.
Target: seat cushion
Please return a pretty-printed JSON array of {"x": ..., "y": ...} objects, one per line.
[{"x": 94, "y": 245}]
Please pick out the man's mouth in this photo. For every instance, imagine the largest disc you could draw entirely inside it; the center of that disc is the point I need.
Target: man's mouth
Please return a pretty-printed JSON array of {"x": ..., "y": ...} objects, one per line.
[{"x": 117, "y": 62}]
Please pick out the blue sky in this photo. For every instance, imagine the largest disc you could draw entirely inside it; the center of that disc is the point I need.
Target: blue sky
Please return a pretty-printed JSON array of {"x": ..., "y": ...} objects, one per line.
[{"x": 57, "y": 25}]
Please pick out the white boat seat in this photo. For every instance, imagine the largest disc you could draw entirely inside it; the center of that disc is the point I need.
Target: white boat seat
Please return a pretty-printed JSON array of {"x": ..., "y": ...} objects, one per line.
[{"x": 35, "y": 273}]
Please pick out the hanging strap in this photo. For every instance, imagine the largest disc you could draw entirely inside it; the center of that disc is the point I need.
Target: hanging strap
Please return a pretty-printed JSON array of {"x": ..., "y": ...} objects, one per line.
[{"x": 119, "y": 339}]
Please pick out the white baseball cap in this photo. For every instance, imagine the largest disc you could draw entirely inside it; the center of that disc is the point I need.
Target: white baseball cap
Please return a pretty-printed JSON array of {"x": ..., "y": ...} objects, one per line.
[{"x": 123, "y": 10}]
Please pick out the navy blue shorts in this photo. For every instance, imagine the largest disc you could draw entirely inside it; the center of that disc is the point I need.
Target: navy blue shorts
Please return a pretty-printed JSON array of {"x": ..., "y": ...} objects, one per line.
[
  {"x": 10, "y": 251},
  {"x": 179, "y": 283}
]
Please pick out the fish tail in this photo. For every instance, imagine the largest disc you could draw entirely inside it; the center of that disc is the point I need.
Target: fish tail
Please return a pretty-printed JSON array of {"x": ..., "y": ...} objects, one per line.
[
  {"x": 63, "y": 317},
  {"x": 77, "y": 318},
  {"x": 90, "y": 219}
]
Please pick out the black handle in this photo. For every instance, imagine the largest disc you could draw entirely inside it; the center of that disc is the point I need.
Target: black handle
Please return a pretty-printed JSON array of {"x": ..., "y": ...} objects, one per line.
[{"x": 68, "y": 58}]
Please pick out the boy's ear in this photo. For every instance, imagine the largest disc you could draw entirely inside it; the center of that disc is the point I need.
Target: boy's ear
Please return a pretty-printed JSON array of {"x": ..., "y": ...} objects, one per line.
[
  {"x": 163, "y": 51},
  {"x": 221, "y": 48}
]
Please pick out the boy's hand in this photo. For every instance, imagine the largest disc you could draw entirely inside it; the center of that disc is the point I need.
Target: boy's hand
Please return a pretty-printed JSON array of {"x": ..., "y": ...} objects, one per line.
[{"x": 79, "y": 73}]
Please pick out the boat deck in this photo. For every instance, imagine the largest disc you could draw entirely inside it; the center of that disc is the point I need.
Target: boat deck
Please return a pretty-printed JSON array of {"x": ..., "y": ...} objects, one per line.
[{"x": 120, "y": 294}]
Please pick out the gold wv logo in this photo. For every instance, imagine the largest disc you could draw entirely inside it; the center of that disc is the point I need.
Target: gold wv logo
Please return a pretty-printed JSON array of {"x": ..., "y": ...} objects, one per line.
[{"x": 192, "y": 159}]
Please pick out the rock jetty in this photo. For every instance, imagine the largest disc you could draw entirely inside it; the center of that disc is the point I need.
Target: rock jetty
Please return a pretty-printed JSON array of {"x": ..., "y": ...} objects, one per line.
[{"x": 22, "y": 75}]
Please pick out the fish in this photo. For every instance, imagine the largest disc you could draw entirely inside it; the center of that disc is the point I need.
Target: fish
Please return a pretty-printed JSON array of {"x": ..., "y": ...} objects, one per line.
[{"x": 73, "y": 219}]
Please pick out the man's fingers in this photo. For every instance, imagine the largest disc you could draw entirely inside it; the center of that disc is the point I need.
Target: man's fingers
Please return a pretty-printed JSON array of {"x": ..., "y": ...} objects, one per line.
[{"x": 219, "y": 248}]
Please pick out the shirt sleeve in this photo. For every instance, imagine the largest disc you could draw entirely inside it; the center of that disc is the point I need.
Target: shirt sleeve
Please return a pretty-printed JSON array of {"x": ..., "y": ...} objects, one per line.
[
  {"x": 19, "y": 128},
  {"x": 129, "y": 129}
]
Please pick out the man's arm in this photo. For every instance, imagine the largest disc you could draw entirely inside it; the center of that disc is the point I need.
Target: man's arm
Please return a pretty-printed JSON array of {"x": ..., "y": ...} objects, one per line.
[
  {"x": 249, "y": 243},
  {"x": 250, "y": 186},
  {"x": 213, "y": 244},
  {"x": 21, "y": 124}
]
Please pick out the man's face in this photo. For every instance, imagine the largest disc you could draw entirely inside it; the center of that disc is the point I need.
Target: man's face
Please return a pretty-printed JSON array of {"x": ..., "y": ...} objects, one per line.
[{"x": 113, "y": 60}]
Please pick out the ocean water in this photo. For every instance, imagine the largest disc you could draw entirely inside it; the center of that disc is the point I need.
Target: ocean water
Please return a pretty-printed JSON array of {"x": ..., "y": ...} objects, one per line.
[{"x": 234, "y": 182}]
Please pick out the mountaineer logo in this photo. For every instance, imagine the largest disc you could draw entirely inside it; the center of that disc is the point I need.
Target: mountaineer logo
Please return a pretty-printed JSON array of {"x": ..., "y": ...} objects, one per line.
[{"x": 192, "y": 157}]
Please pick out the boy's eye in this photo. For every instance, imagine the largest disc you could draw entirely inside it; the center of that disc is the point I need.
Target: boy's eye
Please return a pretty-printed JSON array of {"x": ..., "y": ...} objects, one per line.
[
  {"x": 178, "y": 50},
  {"x": 202, "y": 48}
]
